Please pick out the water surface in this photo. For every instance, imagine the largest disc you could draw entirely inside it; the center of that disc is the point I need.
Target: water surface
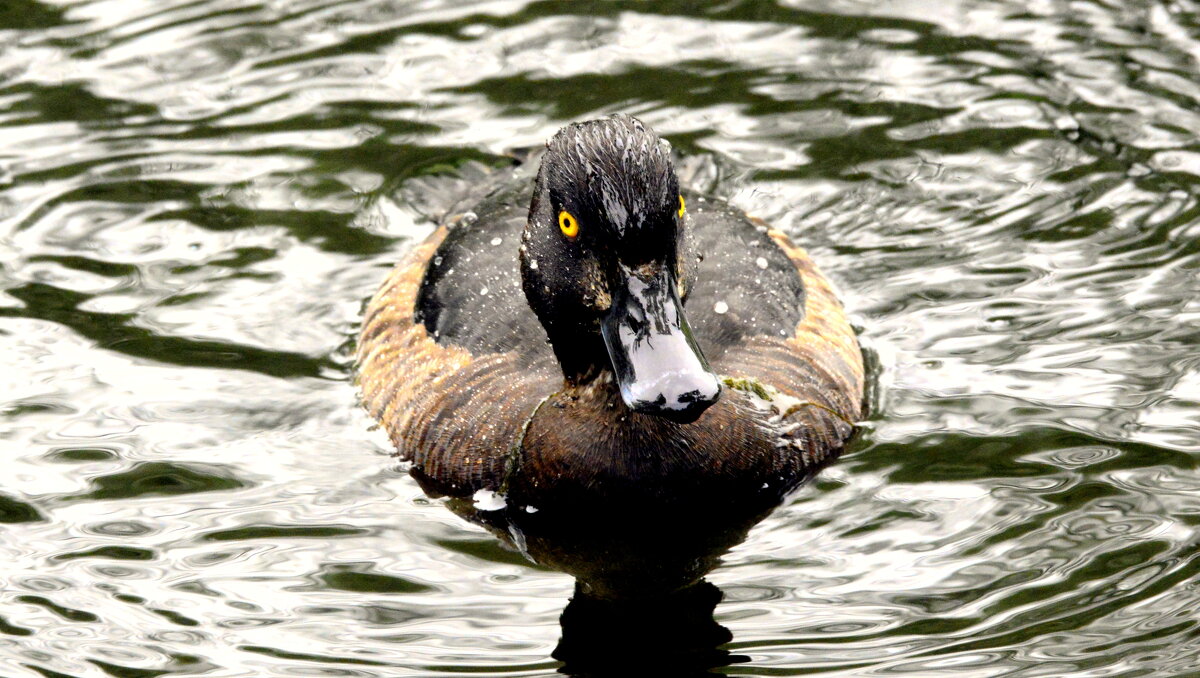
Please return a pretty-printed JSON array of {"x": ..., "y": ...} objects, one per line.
[{"x": 197, "y": 195}]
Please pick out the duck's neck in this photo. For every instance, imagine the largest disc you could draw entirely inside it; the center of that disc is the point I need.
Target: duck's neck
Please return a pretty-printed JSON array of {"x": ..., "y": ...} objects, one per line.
[{"x": 582, "y": 356}]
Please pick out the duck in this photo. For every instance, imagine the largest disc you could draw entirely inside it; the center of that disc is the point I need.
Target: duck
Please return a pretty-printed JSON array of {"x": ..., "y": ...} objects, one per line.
[{"x": 615, "y": 374}]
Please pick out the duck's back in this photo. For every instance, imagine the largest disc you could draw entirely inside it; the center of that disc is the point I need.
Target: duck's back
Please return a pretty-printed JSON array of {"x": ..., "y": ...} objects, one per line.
[
  {"x": 454, "y": 364},
  {"x": 451, "y": 361},
  {"x": 762, "y": 311}
]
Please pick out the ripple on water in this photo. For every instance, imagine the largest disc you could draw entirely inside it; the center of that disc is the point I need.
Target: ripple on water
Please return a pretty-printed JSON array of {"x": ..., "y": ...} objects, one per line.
[{"x": 196, "y": 196}]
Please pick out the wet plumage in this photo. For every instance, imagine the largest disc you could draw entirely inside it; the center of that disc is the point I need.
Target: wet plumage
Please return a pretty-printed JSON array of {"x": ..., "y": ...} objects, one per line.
[{"x": 628, "y": 495}]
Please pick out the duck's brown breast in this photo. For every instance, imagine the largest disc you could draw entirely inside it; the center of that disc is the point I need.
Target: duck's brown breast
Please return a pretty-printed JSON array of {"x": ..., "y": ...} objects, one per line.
[{"x": 787, "y": 408}]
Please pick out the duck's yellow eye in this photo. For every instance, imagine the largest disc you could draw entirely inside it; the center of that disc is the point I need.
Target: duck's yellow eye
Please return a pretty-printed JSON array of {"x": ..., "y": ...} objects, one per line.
[
  {"x": 568, "y": 224},
  {"x": 682, "y": 206}
]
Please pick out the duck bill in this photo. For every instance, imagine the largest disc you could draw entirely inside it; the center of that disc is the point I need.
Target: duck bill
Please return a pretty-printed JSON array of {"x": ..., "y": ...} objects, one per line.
[{"x": 657, "y": 363}]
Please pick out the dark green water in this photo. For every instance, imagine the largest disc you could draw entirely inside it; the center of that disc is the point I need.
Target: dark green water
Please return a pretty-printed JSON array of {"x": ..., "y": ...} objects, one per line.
[{"x": 197, "y": 195}]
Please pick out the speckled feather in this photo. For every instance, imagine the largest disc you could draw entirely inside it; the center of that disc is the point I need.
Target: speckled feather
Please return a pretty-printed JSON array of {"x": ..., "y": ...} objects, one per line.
[
  {"x": 412, "y": 382},
  {"x": 455, "y": 415},
  {"x": 469, "y": 391}
]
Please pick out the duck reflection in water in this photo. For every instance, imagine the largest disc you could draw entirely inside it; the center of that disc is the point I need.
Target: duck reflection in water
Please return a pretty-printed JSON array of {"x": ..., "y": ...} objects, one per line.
[
  {"x": 673, "y": 634},
  {"x": 615, "y": 374}
]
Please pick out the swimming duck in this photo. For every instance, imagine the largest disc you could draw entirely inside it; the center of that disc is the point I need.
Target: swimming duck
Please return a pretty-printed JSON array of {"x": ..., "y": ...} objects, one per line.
[{"x": 613, "y": 374}]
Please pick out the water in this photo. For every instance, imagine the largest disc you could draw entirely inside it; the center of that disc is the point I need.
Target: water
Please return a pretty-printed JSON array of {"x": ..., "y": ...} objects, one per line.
[{"x": 197, "y": 195}]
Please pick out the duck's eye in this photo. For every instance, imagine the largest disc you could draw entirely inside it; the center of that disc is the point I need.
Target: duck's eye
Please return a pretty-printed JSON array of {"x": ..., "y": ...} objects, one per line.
[
  {"x": 568, "y": 223},
  {"x": 682, "y": 206}
]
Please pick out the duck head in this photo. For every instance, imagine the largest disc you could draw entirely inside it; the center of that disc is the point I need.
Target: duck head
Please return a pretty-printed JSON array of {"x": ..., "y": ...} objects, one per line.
[{"x": 602, "y": 266}]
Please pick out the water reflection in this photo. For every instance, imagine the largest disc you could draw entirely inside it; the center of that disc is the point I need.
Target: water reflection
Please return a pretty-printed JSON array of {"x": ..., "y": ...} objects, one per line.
[{"x": 673, "y": 634}]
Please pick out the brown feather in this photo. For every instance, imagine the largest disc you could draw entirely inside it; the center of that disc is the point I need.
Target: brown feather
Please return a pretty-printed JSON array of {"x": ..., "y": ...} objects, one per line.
[
  {"x": 593, "y": 489},
  {"x": 456, "y": 416}
]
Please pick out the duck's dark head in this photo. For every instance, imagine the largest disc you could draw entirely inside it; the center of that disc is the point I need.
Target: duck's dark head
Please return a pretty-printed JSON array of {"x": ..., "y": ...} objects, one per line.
[{"x": 601, "y": 263}]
